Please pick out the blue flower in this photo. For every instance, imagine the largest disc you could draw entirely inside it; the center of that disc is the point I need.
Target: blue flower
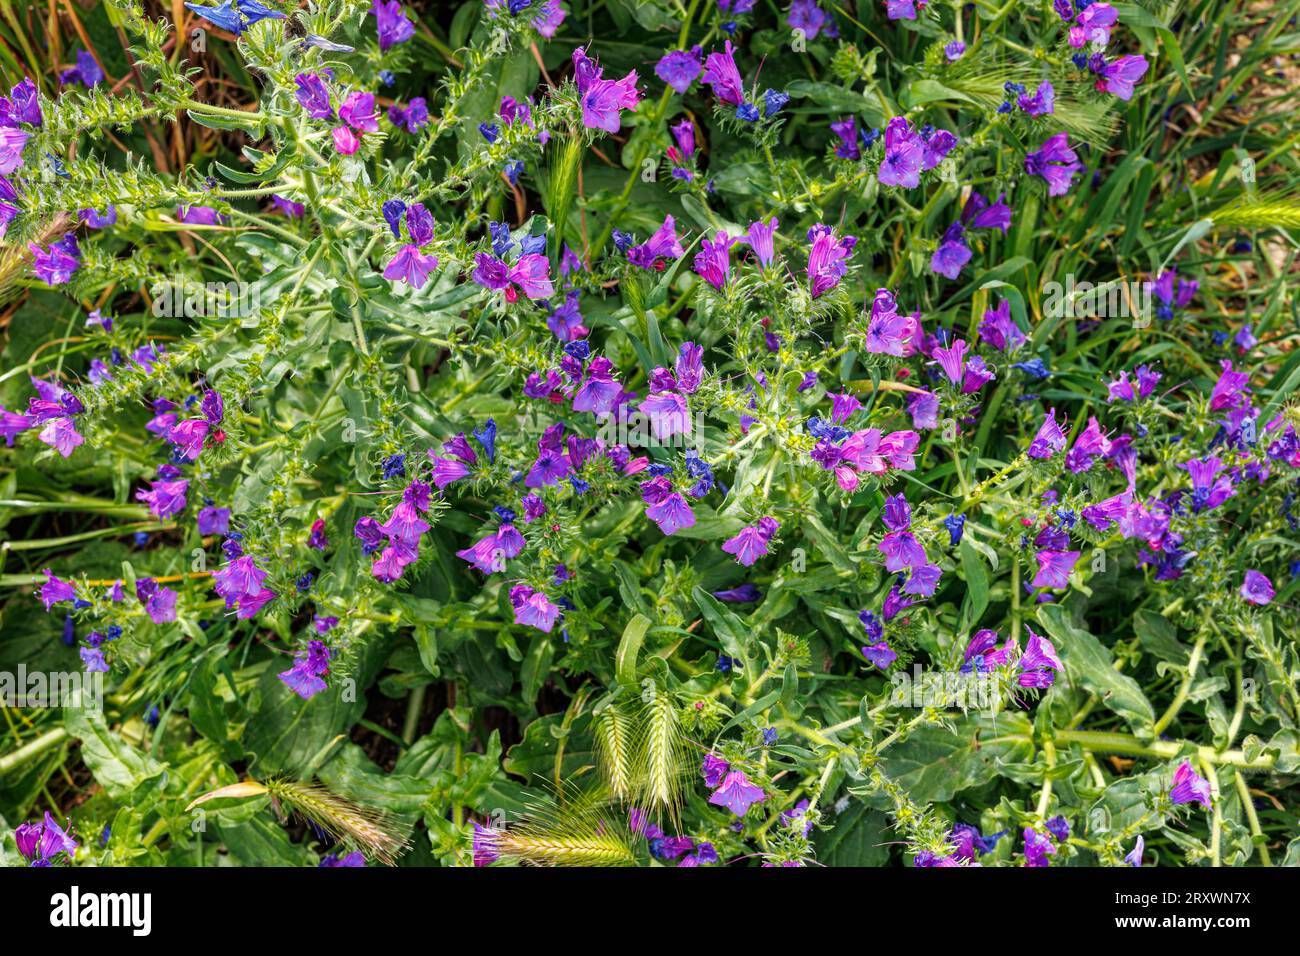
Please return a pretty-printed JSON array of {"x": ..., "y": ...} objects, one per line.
[{"x": 773, "y": 100}]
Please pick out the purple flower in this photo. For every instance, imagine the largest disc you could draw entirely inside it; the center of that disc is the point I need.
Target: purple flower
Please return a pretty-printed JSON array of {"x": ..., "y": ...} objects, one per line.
[
  {"x": 55, "y": 264},
  {"x": 1037, "y": 848},
  {"x": 313, "y": 96},
  {"x": 847, "y": 131},
  {"x": 1134, "y": 857},
  {"x": 1038, "y": 661},
  {"x": 306, "y": 677},
  {"x": 239, "y": 579},
  {"x": 1056, "y": 163},
  {"x": 1049, "y": 440},
  {"x": 1054, "y": 568},
  {"x": 679, "y": 69},
  {"x": 741, "y": 594},
  {"x": 413, "y": 118},
  {"x": 1256, "y": 588},
  {"x": 391, "y": 23},
  {"x": 671, "y": 513},
  {"x": 999, "y": 329},
  {"x": 55, "y": 590},
  {"x": 923, "y": 581},
  {"x": 1119, "y": 76},
  {"x": 902, "y": 551},
  {"x": 713, "y": 261},
  {"x": 213, "y": 520},
  {"x": 41, "y": 843},
  {"x": 86, "y": 72},
  {"x": 951, "y": 255},
  {"x": 902, "y": 9},
  {"x": 164, "y": 498},
  {"x": 737, "y": 794},
  {"x": 1189, "y": 786},
  {"x": 897, "y": 514},
  {"x": 807, "y": 16},
  {"x": 759, "y": 238},
  {"x": 21, "y": 106},
  {"x": 879, "y": 654},
  {"x": 713, "y": 768},
  {"x": 1041, "y": 103},
  {"x": 904, "y": 155}
]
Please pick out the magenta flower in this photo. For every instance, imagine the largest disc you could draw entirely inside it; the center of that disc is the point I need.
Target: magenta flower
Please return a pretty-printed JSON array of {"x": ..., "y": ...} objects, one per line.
[
  {"x": 1189, "y": 786},
  {"x": 528, "y": 275},
  {"x": 751, "y": 543},
  {"x": 602, "y": 99},
  {"x": 951, "y": 360},
  {"x": 358, "y": 111},
  {"x": 721, "y": 75},
  {"x": 1231, "y": 388},
  {"x": 1037, "y": 848},
  {"x": 663, "y": 245},
  {"x": 737, "y": 794},
  {"x": 345, "y": 141},
  {"x": 60, "y": 434},
  {"x": 1049, "y": 440},
  {"x": 12, "y": 142},
  {"x": 1256, "y": 588},
  {"x": 1093, "y": 26},
  {"x": 411, "y": 266},
  {"x": 533, "y": 608},
  {"x": 713, "y": 261},
  {"x": 826, "y": 258}
]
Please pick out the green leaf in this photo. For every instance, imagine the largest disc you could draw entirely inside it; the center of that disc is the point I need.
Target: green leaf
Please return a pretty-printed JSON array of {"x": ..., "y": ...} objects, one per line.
[{"x": 1089, "y": 664}]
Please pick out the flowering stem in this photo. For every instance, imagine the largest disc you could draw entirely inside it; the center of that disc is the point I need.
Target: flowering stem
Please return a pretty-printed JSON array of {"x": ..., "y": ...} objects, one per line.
[
  {"x": 1117, "y": 743},
  {"x": 1256, "y": 834},
  {"x": 1185, "y": 688},
  {"x": 47, "y": 741}
]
